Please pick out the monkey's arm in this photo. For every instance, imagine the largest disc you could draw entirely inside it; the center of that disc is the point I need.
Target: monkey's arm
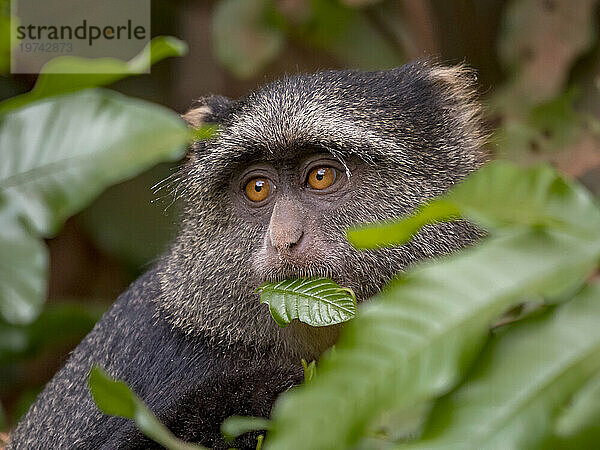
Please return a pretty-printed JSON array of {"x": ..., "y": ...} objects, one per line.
[{"x": 190, "y": 385}]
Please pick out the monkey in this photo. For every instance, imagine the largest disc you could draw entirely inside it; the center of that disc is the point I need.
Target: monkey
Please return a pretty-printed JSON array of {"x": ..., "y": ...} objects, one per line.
[{"x": 294, "y": 165}]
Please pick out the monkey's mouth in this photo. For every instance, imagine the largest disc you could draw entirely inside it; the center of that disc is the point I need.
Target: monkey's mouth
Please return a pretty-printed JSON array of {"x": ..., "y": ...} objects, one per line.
[
  {"x": 271, "y": 266},
  {"x": 286, "y": 270}
]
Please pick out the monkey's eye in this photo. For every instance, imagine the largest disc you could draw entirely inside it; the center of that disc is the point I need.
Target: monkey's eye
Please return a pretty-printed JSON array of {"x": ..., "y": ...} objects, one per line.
[
  {"x": 321, "y": 177},
  {"x": 258, "y": 189}
]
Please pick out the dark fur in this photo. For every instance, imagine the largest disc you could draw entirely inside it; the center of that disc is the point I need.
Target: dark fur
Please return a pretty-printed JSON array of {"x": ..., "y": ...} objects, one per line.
[{"x": 190, "y": 336}]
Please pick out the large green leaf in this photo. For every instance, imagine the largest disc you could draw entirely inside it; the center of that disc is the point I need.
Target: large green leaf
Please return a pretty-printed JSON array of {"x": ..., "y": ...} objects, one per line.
[
  {"x": 23, "y": 266},
  {"x": 71, "y": 73},
  {"x": 578, "y": 424},
  {"x": 584, "y": 409},
  {"x": 316, "y": 301},
  {"x": 415, "y": 340},
  {"x": 499, "y": 195},
  {"x": 115, "y": 398},
  {"x": 521, "y": 382},
  {"x": 57, "y": 155},
  {"x": 502, "y": 195}
]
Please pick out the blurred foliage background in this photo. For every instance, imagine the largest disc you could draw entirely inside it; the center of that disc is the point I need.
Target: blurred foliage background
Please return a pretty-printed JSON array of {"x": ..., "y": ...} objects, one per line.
[{"x": 538, "y": 63}]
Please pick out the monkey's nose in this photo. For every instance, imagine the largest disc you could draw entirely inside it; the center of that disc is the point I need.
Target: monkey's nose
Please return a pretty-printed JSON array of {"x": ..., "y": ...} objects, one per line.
[
  {"x": 285, "y": 240},
  {"x": 286, "y": 228}
]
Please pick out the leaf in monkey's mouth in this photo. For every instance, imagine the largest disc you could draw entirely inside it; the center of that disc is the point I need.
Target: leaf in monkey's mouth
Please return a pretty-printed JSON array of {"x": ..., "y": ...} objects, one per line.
[{"x": 316, "y": 301}]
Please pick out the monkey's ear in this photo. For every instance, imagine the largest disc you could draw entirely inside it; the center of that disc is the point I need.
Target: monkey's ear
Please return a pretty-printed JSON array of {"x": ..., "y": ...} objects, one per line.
[
  {"x": 458, "y": 87},
  {"x": 212, "y": 109},
  {"x": 458, "y": 78}
]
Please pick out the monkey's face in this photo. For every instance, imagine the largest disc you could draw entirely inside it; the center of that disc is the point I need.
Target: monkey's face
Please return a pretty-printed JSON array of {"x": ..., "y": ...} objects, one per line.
[
  {"x": 295, "y": 203},
  {"x": 285, "y": 215},
  {"x": 297, "y": 163},
  {"x": 301, "y": 160}
]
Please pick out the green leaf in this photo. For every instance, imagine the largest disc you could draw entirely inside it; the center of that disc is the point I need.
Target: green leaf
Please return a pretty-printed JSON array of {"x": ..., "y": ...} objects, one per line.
[
  {"x": 502, "y": 194},
  {"x": 23, "y": 267},
  {"x": 521, "y": 381},
  {"x": 246, "y": 35},
  {"x": 316, "y": 301},
  {"x": 235, "y": 426},
  {"x": 13, "y": 340},
  {"x": 206, "y": 131},
  {"x": 399, "y": 232},
  {"x": 497, "y": 196},
  {"x": 60, "y": 154},
  {"x": 583, "y": 412},
  {"x": 415, "y": 340},
  {"x": 259, "y": 441},
  {"x": 6, "y": 21},
  {"x": 115, "y": 398},
  {"x": 396, "y": 426},
  {"x": 112, "y": 397},
  {"x": 58, "y": 77},
  {"x": 57, "y": 156},
  {"x": 310, "y": 370}
]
